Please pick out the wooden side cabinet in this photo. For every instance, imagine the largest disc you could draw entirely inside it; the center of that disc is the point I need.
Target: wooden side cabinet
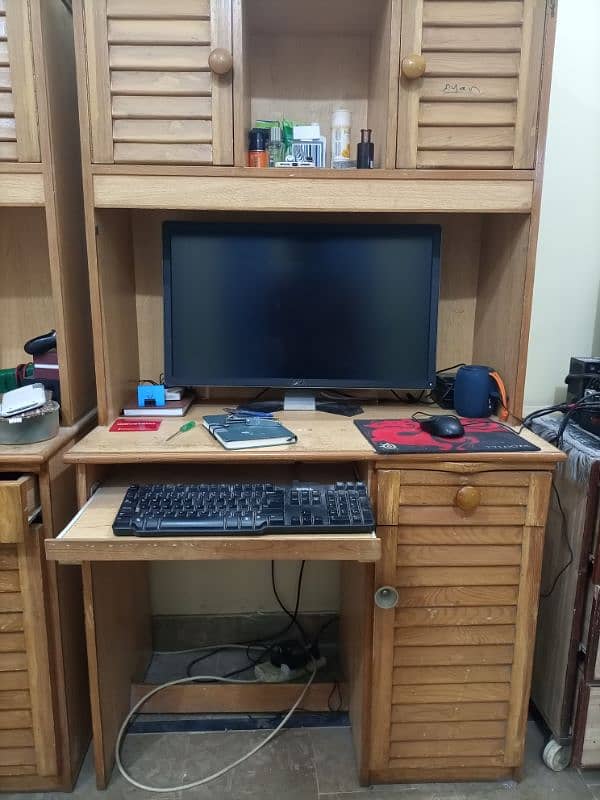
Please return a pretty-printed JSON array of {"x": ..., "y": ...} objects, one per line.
[{"x": 462, "y": 550}]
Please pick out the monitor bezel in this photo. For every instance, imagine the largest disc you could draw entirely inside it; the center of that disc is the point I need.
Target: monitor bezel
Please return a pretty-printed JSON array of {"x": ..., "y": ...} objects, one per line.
[{"x": 172, "y": 228}]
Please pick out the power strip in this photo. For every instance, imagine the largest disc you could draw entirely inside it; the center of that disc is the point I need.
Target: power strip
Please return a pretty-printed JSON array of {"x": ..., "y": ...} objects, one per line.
[{"x": 266, "y": 672}]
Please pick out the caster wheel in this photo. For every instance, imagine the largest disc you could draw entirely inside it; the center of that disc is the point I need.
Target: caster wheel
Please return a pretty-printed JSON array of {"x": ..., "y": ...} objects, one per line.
[{"x": 556, "y": 757}]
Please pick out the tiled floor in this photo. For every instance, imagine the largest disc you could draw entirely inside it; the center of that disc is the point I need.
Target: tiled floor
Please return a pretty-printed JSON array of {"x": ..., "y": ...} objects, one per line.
[{"x": 301, "y": 765}]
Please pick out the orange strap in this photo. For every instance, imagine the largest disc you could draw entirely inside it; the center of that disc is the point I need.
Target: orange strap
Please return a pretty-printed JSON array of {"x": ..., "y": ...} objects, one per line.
[{"x": 503, "y": 412}]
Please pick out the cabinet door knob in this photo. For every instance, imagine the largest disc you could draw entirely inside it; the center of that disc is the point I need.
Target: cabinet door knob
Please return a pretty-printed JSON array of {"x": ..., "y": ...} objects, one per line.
[
  {"x": 468, "y": 498},
  {"x": 220, "y": 61},
  {"x": 414, "y": 66},
  {"x": 386, "y": 597}
]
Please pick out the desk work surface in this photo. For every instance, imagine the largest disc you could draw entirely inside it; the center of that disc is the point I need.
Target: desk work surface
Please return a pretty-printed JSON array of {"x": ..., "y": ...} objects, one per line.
[
  {"x": 321, "y": 437},
  {"x": 89, "y": 537}
]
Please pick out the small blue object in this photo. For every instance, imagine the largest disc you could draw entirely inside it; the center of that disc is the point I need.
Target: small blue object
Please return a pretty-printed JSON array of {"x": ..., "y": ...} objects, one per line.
[
  {"x": 151, "y": 395},
  {"x": 472, "y": 390}
]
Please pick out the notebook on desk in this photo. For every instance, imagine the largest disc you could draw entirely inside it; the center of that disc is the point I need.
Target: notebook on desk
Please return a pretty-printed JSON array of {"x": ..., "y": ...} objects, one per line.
[{"x": 247, "y": 432}]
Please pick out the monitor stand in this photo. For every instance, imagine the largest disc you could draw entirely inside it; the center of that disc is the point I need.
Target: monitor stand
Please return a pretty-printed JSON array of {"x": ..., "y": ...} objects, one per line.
[{"x": 299, "y": 401}]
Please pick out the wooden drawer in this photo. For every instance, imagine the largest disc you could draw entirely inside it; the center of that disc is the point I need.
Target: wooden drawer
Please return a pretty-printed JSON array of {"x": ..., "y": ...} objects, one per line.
[
  {"x": 19, "y": 135},
  {"x": 470, "y": 83},
  {"x": 153, "y": 97},
  {"x": 440, "y": 498},
  {"x": 19, "y": 501},
  {"x": 27, "y": 736}
]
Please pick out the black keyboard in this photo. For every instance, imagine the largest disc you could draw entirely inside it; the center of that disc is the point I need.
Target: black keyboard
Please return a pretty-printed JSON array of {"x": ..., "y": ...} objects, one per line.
[{"x": 244, "y": 509}]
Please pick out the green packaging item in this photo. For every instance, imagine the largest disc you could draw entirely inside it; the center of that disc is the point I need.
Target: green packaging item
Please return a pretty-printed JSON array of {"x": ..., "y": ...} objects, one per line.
[
  {"x": 8, "y": 380},
  {"x": 287, "y": 131}
]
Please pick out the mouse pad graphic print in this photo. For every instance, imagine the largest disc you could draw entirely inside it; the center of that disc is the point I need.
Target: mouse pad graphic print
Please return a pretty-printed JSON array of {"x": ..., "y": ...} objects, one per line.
[{"x": 392, "y": 436}]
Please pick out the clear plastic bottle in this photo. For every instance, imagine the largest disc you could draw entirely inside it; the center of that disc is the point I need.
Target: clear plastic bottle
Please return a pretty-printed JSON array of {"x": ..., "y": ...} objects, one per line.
[
  {"x": 341, "y": 138},
  {"x": 276, "y": 148}
]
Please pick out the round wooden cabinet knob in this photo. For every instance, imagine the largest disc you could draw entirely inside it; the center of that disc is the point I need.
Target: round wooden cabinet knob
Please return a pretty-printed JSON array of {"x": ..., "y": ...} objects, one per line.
[
  {"x": 468, "y": 498},
  {"x": 220, "y": 61},
  {"x": 414, "y": 66}
]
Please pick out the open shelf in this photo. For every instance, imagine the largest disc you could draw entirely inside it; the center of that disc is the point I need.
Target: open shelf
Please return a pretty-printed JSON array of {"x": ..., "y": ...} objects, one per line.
[
  {"x": 26, "y": 300},
  {"x": 45, "y": 287},
  {"x": 89, "y": 537},
  {"x": 303, "y": 61}
]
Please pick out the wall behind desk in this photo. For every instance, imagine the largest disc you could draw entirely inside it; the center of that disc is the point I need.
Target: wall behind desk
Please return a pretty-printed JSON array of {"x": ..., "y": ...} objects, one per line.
[
  {"x": 566, "y": 305},
  {"x": 242, "y": 587}
]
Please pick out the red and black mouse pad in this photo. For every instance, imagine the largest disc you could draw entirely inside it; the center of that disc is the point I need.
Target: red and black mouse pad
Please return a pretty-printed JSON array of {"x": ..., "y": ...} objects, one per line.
[{"x": 391, "y": 436}]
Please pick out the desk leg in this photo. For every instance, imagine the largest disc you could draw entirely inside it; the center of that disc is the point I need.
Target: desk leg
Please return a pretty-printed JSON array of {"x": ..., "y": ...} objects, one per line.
[
  {"x": 356, "y": 645},
  {"x": 119, "y": 647}
]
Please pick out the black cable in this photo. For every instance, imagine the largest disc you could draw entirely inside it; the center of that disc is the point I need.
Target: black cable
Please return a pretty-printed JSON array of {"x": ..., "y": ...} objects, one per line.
[
  {"x": 268, "y": 641},
  {"x": 398, "y": 397},
  {"x": 447, "y": 369},
  {"x": 410, "y": 399},
  {"x": 293, "y": 617},
  {"x": 565, "y": 533}
]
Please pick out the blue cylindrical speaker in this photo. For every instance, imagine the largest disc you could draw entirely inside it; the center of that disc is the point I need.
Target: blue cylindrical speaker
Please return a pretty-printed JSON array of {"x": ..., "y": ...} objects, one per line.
[{"x": 472, "y": 391}]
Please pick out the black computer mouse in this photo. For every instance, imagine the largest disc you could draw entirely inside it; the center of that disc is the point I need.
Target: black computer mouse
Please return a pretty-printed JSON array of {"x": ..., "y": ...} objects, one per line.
[{"x": 445, "y": 425}]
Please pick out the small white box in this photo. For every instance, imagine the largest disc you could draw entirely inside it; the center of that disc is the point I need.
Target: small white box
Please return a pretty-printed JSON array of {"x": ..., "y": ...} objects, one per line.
[
  {"x": 307, "y": 132},
  {"x": 18, "y": 401}
]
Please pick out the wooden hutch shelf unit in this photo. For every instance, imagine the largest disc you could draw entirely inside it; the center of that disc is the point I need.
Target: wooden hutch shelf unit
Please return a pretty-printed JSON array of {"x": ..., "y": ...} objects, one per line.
[
  {"x": 456, "y": 94},
  {"x": 44, "y": 716}
]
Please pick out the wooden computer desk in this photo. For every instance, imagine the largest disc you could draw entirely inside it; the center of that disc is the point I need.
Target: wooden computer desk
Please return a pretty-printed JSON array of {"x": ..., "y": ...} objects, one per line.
[{"x": 455, "y": 655}]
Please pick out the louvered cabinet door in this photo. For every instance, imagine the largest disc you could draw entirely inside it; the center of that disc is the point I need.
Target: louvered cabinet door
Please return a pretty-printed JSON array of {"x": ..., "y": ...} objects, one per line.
[
  {"x": 470, "y": 82},
  {"x": 27, "y": 735},
  {"x": 160, "y": 81},
  {"x": 453, "y": 659},
  {"x": 19, "y": 134}
]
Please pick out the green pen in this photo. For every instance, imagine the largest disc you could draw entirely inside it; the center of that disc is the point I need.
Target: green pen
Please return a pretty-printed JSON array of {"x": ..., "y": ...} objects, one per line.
[{"x": 184, "y": 428}]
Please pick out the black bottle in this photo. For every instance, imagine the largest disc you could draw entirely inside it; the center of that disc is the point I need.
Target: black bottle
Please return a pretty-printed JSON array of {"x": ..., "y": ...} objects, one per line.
[{"x": 366, "y": 150}]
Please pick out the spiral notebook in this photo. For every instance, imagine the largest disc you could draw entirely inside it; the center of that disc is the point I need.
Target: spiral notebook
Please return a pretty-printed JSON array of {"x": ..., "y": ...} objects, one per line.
[{"x": 250, "y": 432}]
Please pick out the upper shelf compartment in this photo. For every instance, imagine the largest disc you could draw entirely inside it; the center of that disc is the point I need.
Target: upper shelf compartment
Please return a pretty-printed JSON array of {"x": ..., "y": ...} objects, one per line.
[
  {"x": 441, "y": 83},
  {"x": 302, "y": 61}
]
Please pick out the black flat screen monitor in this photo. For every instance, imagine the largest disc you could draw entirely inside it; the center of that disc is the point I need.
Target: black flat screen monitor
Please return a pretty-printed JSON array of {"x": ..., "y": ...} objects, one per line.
[{"x": 301, "y": 305}]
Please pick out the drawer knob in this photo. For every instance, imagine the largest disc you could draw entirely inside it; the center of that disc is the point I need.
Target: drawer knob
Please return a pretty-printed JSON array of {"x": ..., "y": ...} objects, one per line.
[
  {"x": 414, "y": 66},
  {"x": 386, "y": 597},
  {"x": 468, "y": 498},
  {"x": 220, "y": 61}
]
